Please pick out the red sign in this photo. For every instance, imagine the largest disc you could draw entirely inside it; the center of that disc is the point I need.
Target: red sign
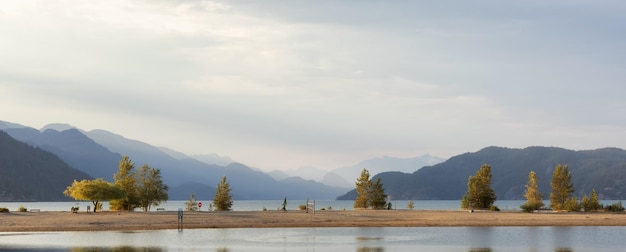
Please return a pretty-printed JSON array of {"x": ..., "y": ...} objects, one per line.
[{"x": 199, "y": 204}]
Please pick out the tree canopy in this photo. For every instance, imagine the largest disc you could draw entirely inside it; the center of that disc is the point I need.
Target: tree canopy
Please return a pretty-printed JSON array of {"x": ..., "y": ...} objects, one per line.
[
  {"x": 223, "y": 201},
  {"x": 151, "y": 190},
  {"x": 562, "y": 187},
  {"x": 96, "y": 190},
  {"x": 479, "y": 192},
  {"x": 534, "y": 197},
  {"x": 126, "y": 178},
  {"x": 363, "y": 184},
  {"x": 369, "y": 194}
]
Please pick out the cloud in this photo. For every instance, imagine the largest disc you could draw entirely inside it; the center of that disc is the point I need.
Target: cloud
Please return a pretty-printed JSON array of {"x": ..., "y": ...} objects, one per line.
[{"x": 326, "y": 84}]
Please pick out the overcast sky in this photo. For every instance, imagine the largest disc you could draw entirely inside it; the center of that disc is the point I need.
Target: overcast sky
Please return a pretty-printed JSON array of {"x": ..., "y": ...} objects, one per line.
[{"x": 283, "y": 84}]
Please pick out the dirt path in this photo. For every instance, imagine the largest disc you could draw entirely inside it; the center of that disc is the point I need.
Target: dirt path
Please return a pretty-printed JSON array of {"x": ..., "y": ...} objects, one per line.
[{"x": 66, "y": 221}]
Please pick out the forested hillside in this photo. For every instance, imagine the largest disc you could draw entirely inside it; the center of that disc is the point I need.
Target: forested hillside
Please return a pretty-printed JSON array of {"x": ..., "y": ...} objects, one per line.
[
  {"x": 601, "y": 169},
  {"x": 32, "y": 174}
]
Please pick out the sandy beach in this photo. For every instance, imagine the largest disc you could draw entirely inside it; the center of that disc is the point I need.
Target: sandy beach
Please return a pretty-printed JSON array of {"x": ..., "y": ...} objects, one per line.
[{"x": 83, "y": 221}]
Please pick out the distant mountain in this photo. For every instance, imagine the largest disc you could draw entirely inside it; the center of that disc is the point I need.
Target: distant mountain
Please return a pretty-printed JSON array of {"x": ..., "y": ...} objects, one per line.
[
  {"x": 386, "y": 164},
  {"x": 601, "y": 169},
  {"x": 73, "y": 147},
  {"x": 214, "y": 159},
  {"x": 332, "y": 179},
  {"x": 98, "y": 153},
  {"x": 31, "y": 174}
]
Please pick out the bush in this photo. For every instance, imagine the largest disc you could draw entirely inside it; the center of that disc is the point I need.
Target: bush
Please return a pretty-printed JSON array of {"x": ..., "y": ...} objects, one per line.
[
  {"x": 4, "y": 210},
  {"x": 571, "y": 204},
  {"x": 330, "y": 208},
  {"x": 590, "y": 203},
  {"x": 410, "y": 205},
  {"x": 494, "y": 208},
  {"x": 530, "y": 207},
  {"x": 615, "y": 207},
  {"x": 301, "y": 207},
  {"x": 22, "y": 209}
]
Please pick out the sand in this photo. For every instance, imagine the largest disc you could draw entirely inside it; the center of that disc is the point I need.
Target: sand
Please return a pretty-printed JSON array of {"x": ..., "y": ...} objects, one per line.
[{"x": 83, "y": 221}]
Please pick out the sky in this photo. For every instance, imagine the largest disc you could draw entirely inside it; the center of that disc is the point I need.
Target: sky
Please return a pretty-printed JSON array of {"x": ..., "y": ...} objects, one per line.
[{"x": 286, "y": 84}]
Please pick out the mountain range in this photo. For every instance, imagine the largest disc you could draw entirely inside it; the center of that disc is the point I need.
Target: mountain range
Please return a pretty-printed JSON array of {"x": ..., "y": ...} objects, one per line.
[
  {"x": 603, "y": 170},
  {"x": 59, "y": 153},
  {"x": 98, "y": 152},
  {"x": 29, "y": 173}
]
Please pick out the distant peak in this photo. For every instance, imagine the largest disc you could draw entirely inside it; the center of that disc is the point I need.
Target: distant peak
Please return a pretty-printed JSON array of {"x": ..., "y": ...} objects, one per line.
[
  {"x": 10, "y": 125},
  {"x": 58, "y": 127}
]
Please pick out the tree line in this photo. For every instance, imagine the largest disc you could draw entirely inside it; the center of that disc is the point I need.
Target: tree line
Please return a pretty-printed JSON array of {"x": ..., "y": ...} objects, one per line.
[
  {"x": 481, "y": 195},
  {"x": 131, "y": 189},
  {"x": 143, "y": 188}
]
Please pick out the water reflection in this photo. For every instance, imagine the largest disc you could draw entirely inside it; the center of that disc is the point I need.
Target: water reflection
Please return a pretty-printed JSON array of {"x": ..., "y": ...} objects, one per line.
[
  {"x": 118, "y": 249},
  {"x": 441, "y": 239},
  {"x": 368, "y": 249},
  {"x": 563, "y": 250},
  {"x": 480, "y": 250}
]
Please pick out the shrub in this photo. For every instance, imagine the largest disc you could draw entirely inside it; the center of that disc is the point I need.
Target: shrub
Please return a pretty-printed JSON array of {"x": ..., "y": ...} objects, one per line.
[
  {"x": 615, "y": 207},
  {"x": 4, "y": 210},
  {"x": 410, "y": 205},
  {"x": 590, "y": 203},
  {"x": 22, "y": 209},
  {"x": 530, "y": 207},
  {"x": 330, "y": 208},
  {"x": 494, "y": 208},
  {"x": 571, "y": 204},
  {"x": 301, "y": 207}
]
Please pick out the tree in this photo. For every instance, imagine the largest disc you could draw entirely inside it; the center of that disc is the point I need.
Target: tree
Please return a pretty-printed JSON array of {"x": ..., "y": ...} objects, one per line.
[
  {"x": 284, "y": 204},
  {"x": 191, "y": 204},
  {"x": 562, "y": 187},
  {"x": 363, "y": 184},
  {"x": 127, "y": 180},
  {"x": 151, "y": 190},
  {"x": 534, "y": 197},
  {"x": 591, "y": 203},
  {"x": 95, "y": 191},
  {"x": 377, "y": 198},
  {"x": 410, "y": 205},
  {"x": 479, "y": 192},
  {"x": 223, "y": 201}
]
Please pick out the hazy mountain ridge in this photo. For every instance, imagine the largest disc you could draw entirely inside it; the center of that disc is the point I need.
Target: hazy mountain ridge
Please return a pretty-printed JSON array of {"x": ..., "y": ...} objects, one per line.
[
  {"x": 386, "y": 164},
  {"x": 602, "y": 169},
  {"x": 98, "y": 152},
  {"x": 32, "y": 174}
]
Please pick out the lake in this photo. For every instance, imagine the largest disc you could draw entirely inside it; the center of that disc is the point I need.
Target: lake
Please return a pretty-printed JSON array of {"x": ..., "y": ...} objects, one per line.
[
  {"x": 258, "y": 205},
  {"x": 443, "y": 239},
  {"x": 475, "y": 239}
]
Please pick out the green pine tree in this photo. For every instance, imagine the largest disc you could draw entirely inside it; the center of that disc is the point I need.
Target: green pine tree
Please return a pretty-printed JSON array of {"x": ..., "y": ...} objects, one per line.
[
  {"x": 223, "y": 201},
  {"x": 479, "y": 192},
  {"x": 377, "y": 197}
]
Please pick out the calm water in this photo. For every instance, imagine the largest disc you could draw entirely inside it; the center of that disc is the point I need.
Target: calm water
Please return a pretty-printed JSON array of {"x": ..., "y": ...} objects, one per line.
[
  {"x": 328, "y": 239},
  {"x": 258, "y": 205},
  {"x": 318, "y": 239}
]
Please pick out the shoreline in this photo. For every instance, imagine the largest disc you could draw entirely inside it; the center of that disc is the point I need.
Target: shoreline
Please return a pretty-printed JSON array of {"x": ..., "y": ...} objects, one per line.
[{"x": 127, "y": 221}]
